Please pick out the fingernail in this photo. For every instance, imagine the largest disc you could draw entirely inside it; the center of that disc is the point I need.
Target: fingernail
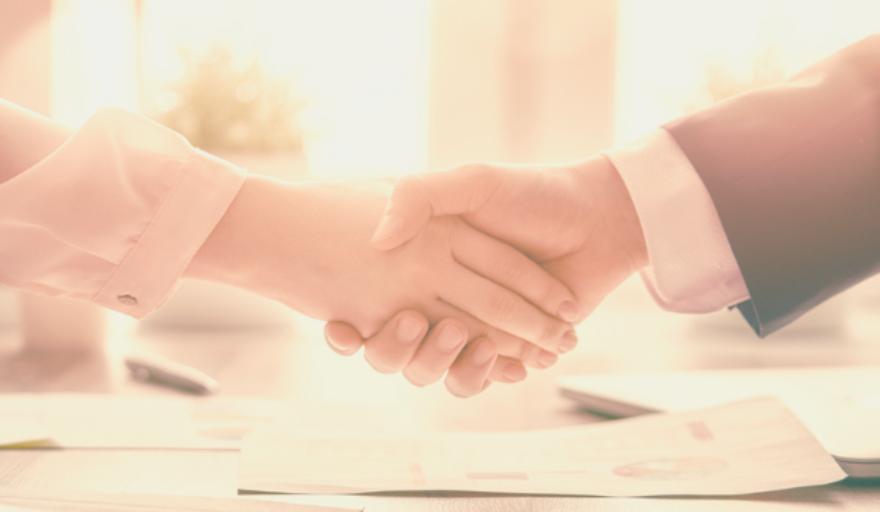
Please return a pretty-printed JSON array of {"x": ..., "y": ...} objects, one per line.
[
  {"x": 387, "y": 228},
  {"x": 568, "y": 342},
  {"x": 332, "y": 341},
  {"x": 514, "y": 372},
  {"x": 341, "y": 348},
  {"x": 408, "y": 329},
  {"x": 546, "y": 359},
  {"x": 483, "y": 353},
  {"x": 568, "y": 311},
  {"x": 450, "y": 338}
]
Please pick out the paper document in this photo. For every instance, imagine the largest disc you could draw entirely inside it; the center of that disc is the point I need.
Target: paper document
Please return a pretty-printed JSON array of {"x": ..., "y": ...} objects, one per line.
[
  {"x": 139, "y": 471},
  {"x": 840, "y": 405},
  {"x": 73, "y": 420},
  {"x": 23, "y": 434},
  {"x": 27, "y": 500},
  {"x": 744, "y": 447}
]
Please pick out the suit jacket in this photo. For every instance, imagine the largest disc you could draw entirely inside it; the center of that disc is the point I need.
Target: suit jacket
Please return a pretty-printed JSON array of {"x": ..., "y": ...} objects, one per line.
[{"x": 794, "y": 171}]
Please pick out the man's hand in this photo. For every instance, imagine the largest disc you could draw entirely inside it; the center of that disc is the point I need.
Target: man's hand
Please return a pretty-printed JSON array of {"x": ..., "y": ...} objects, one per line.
[{"x": 577, "y": 221}]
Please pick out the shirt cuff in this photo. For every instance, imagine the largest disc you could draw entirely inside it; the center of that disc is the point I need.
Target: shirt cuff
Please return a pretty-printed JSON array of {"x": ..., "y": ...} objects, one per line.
[
  {"x": 692, "y": 267},
  {"x": 204, "y": 187},
  {"x": 149, "y": 272}
]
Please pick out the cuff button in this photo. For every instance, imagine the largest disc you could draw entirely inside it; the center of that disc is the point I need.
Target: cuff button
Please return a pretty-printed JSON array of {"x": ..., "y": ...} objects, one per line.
[{"x": 128, "y": 300}]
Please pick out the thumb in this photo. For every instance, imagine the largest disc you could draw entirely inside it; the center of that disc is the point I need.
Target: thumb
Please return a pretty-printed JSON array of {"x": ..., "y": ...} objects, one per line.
[
  {"x": 407, "y": 212},
  {"x": 415, "y": 199}
]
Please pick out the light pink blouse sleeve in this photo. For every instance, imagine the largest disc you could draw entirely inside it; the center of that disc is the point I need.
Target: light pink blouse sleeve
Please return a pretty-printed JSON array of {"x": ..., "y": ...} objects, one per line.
[
  {"x": 113, "y": 215},
  {"x": 692, "y": 266}
]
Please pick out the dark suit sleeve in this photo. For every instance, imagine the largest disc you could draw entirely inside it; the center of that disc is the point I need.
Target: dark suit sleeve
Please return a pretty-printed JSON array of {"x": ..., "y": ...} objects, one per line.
[{"x": 794, "y": 172}]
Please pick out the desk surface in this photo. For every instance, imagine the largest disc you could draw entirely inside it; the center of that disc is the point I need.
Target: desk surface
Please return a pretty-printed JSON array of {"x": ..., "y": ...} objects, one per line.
[{"x": 294, "y": 364}]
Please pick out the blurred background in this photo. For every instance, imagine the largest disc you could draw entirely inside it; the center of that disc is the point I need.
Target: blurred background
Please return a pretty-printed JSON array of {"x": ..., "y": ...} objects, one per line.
[{"x": 347, "y": 90}]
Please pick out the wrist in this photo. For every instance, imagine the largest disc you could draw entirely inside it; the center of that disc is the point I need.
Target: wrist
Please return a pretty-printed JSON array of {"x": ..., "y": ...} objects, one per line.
[
  {"x": 240, "y": 248},
  {"x": 604, "y": 191}
]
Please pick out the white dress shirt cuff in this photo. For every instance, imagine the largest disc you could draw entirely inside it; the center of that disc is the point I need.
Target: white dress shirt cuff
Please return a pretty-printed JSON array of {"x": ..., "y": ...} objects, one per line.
[
  {"x": 114, "y": 215},
  {"x": 692, "y": 268},
  {"x": 149, "y": 273}
]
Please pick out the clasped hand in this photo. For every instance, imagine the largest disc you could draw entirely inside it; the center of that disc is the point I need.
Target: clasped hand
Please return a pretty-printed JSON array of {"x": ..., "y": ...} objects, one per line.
[
  {"x": 577, "y": 222},
  {"x": 483, "y": 308}
]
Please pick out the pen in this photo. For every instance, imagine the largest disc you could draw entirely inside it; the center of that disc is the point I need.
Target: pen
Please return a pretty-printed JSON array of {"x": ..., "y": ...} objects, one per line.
[{"x": 171, "y": 374}]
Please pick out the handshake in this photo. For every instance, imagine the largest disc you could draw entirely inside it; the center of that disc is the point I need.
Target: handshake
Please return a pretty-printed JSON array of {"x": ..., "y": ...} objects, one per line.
[{"x": 473, "y": 274}]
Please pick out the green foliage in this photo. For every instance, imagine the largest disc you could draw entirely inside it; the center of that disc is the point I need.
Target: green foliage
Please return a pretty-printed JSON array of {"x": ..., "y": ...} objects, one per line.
[{"x": 219, "y": 105}]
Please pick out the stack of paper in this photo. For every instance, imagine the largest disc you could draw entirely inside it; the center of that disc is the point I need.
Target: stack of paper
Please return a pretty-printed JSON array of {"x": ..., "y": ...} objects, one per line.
[
  {"x": 745, "y": 447},
  {"x": 17, "y": 433},
  {"x": 72, "y": 420},
  {"x": 30, "y": 500}
]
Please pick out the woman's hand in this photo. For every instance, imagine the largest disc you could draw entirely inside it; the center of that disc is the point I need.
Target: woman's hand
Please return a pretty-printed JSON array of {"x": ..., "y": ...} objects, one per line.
[
  {"x": 309, "y": 247},
  {"x": 439, "y": 352},
  {"x": 578, "y": 221}
]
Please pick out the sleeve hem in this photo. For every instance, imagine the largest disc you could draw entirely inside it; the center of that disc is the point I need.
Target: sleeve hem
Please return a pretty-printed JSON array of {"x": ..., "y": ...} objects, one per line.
[
  {"x": 148, "y": 273},
  {"x": 692, "y": 267}
]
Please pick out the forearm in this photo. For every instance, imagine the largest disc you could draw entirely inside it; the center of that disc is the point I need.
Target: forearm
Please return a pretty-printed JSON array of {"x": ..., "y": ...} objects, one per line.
[
  {"x": 270, "y": 242},
  {"x": 245, "y": 245},
  {"x": 794, "y": 173}
]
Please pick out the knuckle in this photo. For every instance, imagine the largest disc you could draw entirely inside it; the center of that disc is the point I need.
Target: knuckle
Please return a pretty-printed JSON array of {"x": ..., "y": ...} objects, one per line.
[
  {"x": 476, "y": 329},
  {"x": 511, "y": 268},
  {"x": 460, "y": 324},
  {"x": 527, "y": 352},
  {"x": 408, "y": 187},
  {"x": 509, "y": 345},
  {"x": 551, "y": 330},
  {"x": 487, "y": 184},
  {"x": 438, "y": 235},
  {"x": 551, "y": 294},
  {"x": 503, "y": 306},
  {"x": 458, "y": 234},
  {"x": 484, "y": 180}
]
